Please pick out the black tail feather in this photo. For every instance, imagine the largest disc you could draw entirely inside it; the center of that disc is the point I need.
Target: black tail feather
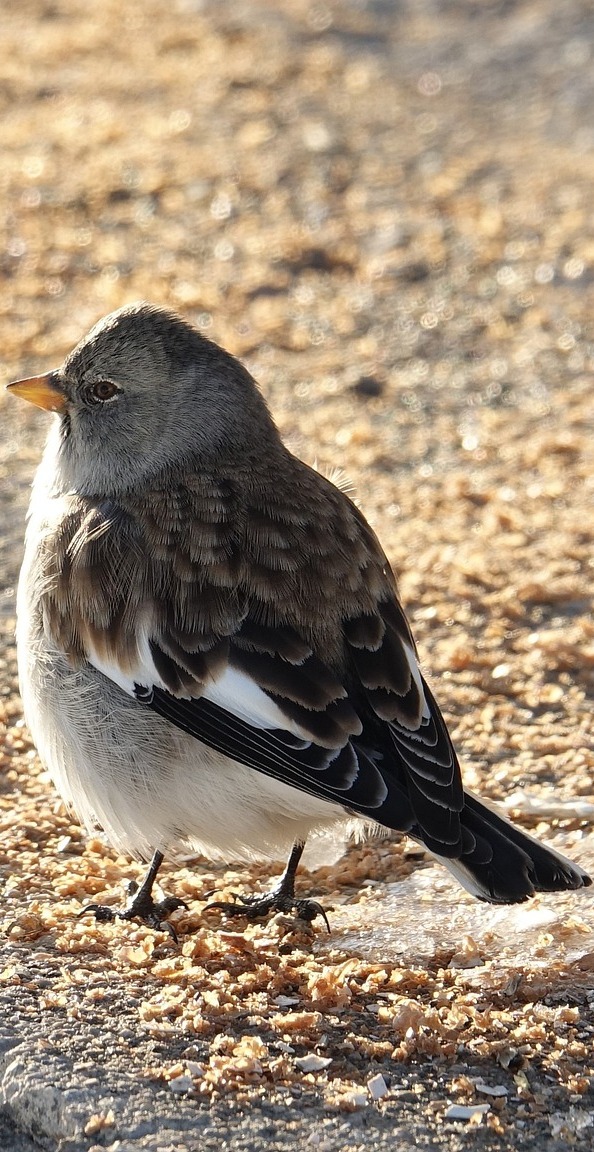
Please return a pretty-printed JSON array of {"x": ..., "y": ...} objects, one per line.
[{"x": 503, "y": 864}]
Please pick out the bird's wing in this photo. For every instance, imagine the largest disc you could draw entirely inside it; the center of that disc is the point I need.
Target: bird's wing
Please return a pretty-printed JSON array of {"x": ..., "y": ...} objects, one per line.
[
  {"x": 296, "y": 720},
  {"x": 272, "y": 632}
]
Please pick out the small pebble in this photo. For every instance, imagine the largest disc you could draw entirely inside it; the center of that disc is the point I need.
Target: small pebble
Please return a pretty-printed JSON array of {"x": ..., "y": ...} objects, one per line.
[
  {"x": 312, "y": 1063},
  {"x": 181, "y": 1084},
  {"x": 465, "y": 1112},
  {"x": 377, "y": 1087}
]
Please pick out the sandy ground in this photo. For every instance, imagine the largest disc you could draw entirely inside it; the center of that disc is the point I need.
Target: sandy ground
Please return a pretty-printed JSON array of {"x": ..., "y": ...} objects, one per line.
[{"x": 385, "y": 210}]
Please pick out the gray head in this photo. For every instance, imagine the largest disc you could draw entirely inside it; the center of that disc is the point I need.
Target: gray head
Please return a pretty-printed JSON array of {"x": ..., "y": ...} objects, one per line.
[{"x": 144, "y": 392}]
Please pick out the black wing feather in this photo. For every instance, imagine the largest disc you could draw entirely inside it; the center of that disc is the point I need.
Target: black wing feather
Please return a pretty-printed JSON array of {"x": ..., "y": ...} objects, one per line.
[
  {"x": 372, "y": 740},
  {"x": 351, "y": 777}
]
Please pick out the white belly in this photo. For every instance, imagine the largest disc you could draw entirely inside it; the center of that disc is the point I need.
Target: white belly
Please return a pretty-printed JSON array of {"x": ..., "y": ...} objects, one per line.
[{"x": 145, "y": 782}]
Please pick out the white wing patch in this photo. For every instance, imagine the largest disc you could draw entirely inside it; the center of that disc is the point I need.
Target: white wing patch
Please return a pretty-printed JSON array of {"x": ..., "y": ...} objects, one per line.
[
  {"x": 112, "y": 671},
  {"x": 233, "y": 691},
  {"x": 239, "y": 694},
  {"x": 416, "y": 675}
]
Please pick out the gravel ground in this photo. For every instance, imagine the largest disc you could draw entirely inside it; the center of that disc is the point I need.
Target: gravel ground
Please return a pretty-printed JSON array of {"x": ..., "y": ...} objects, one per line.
[{"x": 385, "y": 209}]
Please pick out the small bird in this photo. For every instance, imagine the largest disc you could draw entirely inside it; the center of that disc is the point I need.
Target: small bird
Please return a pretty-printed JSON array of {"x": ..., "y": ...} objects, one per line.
[{"x": 211, "y": 646}]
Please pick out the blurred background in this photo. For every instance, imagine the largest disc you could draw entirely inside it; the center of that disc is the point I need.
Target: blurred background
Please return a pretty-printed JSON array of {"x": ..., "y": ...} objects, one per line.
[{"x": 385, "y": 208}]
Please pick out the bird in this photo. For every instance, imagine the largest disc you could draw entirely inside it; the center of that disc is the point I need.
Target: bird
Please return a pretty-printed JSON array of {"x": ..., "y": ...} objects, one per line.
[{"x": 212, "y": 650}]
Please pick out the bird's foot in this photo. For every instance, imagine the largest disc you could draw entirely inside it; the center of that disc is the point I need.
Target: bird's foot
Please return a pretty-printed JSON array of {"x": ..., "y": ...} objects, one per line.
[
  {"x": 278, "y": 900},
  {"x": 140, "y": 906}
]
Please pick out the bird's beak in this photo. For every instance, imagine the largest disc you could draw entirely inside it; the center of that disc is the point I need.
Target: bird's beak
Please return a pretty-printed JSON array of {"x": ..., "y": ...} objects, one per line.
[{"x": 44, "y": 391}]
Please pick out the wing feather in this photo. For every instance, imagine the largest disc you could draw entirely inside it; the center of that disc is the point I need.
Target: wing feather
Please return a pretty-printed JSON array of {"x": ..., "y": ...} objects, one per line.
[{"x": 261, "y": 617}]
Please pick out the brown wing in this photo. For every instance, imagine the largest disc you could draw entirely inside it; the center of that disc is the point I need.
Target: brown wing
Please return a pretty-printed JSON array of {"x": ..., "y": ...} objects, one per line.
[{"x": 277, "y": 579}]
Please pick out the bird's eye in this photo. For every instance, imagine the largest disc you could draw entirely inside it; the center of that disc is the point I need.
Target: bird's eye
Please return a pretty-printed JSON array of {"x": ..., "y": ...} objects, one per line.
[{"x": 101, "y": 391}]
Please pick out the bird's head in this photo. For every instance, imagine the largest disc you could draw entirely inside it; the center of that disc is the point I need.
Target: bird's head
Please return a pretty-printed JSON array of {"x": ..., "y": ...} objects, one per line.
[{"x": 142, "y": 393}]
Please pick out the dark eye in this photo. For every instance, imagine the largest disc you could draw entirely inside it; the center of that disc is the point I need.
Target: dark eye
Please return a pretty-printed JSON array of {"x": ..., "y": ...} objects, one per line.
[{"x": 101, "y": 391}]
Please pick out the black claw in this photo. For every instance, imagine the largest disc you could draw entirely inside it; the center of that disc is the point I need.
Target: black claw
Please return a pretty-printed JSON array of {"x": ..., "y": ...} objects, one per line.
[
  {"x": 168, "y": 905},
  {"x": 242, "y": 906},
  {"x": 257, "y": 907},
  {"x": 101, "y": 912},
  {"x": 145, "y": 909},
  {"x": 164, "y": 926},
  {"x": 309, "y": 909},
  {"x": 141, "y": 905}
]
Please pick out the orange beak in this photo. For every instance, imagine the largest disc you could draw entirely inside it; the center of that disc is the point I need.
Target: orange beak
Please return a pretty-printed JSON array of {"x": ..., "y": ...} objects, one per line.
[{"x": 44, "y": 391}]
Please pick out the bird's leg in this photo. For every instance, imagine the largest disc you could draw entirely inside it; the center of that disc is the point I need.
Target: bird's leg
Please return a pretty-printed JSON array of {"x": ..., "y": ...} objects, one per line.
[
  {"x": 141, "y": 905},
  {"x": 280, "y": 899}
]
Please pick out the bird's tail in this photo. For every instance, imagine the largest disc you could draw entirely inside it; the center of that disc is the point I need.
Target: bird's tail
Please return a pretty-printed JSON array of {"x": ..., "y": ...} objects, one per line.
[{"x": 504, "y": 865}]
